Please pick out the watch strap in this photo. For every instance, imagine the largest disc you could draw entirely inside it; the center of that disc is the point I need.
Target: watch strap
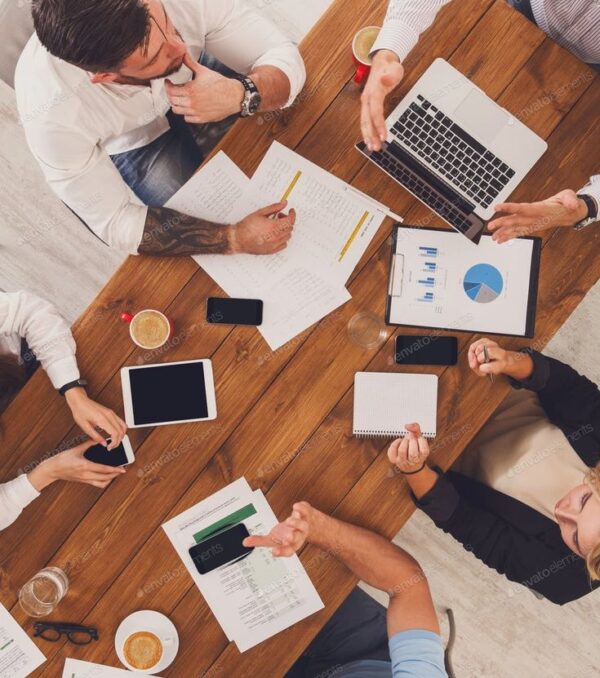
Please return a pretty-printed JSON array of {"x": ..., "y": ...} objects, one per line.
[
  {"x": 78, "y": 383},
  {"x": 592, "y": 216}
]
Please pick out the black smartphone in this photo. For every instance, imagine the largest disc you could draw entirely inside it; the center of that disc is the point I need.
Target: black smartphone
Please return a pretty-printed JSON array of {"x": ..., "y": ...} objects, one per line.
[
  {"x": 221, "y": 548},
  {"x": 426, "y": 349},
  {"x": 120, "y": 456},
  {"x": 234, "y": 311}
]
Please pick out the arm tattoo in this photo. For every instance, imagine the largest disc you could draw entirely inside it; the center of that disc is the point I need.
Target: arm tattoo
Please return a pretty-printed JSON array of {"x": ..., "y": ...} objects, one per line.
[{"x": 171, "y": 233}]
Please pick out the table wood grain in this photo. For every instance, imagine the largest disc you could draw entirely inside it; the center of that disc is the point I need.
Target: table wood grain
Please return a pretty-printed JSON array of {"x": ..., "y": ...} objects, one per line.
[{"x": 285, "y": 417}]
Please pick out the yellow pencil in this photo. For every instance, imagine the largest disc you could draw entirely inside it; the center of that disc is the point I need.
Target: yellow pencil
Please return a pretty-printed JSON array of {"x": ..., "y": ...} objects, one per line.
[{"x": 353, "y": 235}]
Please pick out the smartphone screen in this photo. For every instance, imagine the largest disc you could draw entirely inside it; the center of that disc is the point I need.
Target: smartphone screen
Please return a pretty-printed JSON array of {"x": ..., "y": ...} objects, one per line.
[
  {"x": 426, "y": 350},
  {"x": 234, "y": 311},
  {"x": 100, "y": 455},
  {"x": 220, "y": 549}
]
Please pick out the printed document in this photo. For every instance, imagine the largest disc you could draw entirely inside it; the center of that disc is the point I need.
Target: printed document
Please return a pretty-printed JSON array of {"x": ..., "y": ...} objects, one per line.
[
  {"x": 74, "y": 668},
  {"x": 258, "y": 596},
  {"x": 19, "y": 655},
  {"x": 305, "y": 282}
]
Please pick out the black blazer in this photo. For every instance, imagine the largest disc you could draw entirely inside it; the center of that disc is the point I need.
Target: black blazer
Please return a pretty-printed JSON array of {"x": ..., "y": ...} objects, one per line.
[{"x": 507, "y": 535}]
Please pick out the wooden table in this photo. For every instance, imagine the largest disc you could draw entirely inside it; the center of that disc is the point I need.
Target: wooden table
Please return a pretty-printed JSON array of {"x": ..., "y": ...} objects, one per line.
[{"x": 285, "y": 417}]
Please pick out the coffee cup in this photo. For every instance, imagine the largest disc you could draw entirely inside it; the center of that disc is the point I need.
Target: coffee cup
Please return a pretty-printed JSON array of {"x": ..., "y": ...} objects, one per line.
[
  {"x": 361, "y": 49},
  {"x": 149, "y": 329},
  {"x": 147, "y": 642}
]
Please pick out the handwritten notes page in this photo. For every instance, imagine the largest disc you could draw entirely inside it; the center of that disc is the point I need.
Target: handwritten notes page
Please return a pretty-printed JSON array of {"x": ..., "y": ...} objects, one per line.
[{"x": 305, "y": 282}]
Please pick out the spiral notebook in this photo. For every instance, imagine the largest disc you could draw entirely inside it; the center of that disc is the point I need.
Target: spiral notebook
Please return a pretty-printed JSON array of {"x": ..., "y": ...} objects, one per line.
[{"x": 384, "y": 403}]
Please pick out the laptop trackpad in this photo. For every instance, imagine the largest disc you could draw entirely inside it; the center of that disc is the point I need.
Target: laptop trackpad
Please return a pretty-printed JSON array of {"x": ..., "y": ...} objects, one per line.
[{"x": 481, "y": 117}]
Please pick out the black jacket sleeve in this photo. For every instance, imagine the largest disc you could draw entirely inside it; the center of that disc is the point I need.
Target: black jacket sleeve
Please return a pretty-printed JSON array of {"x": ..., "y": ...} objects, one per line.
[
  {"x": 571, "y": 401},
  {"x": 455, "y": 505}
]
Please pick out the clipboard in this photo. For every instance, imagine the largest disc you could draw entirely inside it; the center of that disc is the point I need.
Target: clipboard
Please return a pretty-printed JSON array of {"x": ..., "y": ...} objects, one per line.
[{"x": 397, "y": 280}]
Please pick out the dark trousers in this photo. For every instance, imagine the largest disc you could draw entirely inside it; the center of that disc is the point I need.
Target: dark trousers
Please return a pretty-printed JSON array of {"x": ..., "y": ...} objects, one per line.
[{"x": 357, "y": 631}]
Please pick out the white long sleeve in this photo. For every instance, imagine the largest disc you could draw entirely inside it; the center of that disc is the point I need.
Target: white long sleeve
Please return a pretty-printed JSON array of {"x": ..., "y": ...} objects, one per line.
[
  {"x": 593, "y": 188},
  {"x": 23, "y": 314},
  {"x": 404, "y": 22},
  {"x": 574, "y": 24},
  {"x": 14, "y": 497}
]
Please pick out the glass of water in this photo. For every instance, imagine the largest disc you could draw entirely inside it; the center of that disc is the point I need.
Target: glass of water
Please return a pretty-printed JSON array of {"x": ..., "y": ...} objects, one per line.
[{"x": 43, "y": 592}]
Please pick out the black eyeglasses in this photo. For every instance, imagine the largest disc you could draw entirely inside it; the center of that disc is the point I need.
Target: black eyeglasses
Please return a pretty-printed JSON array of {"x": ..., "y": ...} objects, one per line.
[{"x": 76, "y": 634}]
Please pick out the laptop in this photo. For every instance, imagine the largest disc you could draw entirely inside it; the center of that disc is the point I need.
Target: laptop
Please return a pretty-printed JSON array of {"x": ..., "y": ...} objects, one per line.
[{"x": 455, "y": 149}]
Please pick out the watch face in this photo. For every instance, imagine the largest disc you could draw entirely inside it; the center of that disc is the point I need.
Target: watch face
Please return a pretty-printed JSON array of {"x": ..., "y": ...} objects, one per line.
[{"x": 254, "y": 103}]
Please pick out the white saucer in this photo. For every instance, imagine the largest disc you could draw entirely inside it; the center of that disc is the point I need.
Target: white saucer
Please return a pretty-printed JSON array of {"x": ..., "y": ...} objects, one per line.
[{"x": 154, "y": 622}]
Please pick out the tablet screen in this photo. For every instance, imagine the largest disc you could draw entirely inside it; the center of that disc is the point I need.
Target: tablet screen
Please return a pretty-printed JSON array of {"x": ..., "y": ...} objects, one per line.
[{"x": 168, "y": 393}]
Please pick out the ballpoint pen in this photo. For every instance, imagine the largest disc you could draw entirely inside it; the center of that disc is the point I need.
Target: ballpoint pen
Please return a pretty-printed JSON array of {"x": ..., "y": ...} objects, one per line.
[{"x": 487, "y": 360}]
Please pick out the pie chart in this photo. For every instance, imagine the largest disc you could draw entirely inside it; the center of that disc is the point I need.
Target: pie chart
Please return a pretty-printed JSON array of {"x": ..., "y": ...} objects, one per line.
[{"x": 483, "y": 283}]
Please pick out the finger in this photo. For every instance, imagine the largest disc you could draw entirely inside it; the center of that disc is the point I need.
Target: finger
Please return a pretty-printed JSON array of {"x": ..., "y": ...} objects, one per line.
[
  {"x": 297, "y": 524},
  {"x": 413, "y": 450},
  {"x": 283, "y": 551},
  {"x": 403, "y": 450},
  {"x": 95, "y": 435},
  {"x": 414, "y": 428},
  {"x": 269, "y": 210},
  {"x": 191, "y": 63},
  {"x": 393, "y": 450},
  {"x": 104, "y": 469},
  {"x": 108, "y": 425},
  {"x": 519, "y": 208},
  {"x": 276, "y": 250},
  {"x": 259, "y": 541},
  {"x": 179, "y": 109},
  {"x": 377, "y": 116},
  {"x": 366, "y": 124},
  {"x": 119, "y": 428}
]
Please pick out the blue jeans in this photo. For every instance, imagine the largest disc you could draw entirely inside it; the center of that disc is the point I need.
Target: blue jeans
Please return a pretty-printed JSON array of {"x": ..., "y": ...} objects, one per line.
[
  {"x": 356, "y": 631},
  {"x": 157, "y": 171}
]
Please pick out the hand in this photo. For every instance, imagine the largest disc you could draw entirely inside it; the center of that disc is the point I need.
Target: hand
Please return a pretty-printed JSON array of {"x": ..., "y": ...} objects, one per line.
[
  {"x": 562, "y": 209},
  {"x": 511, "y": 363},
  {"x": 409, "y": 454},
  {"x": 386, "y": 74},
  {"x": 89, "y": 416},
  {"x": 259, "y": 233},
  {"x": 209, "y": 97},
  {"x": 73, "y": 466},
  {"x": 287, "y": 537}
]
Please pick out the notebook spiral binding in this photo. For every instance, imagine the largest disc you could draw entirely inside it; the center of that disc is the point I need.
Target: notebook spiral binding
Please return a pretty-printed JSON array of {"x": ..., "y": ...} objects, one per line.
[{"x": 389, "y": 434}]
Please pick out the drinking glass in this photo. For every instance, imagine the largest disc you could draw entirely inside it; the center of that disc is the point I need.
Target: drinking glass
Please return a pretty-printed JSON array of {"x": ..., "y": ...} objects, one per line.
[
  {"x": 43, "y": 592},
  {"x": 367, "y": 329}
]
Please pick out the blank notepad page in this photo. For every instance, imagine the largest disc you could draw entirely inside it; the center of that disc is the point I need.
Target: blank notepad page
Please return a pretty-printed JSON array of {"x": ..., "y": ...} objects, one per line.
[{"x": 384, "y": 403}]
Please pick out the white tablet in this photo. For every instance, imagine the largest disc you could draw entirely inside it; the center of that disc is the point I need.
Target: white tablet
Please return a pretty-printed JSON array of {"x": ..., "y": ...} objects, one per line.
[{"x": 169, "y": 393}]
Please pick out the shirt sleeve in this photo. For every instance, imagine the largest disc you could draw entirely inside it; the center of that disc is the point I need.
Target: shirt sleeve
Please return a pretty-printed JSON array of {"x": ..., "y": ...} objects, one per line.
[
  {"x": 593, "y": 189},
  {"x": 242, "y": 39},
  {"x": 47, "y": 333},
  {"x": 14, "y": 497},
  {"x": 404, "y": 22},
  {"x": 417, "y": 654},
  {"x": 84, "y": 177}
]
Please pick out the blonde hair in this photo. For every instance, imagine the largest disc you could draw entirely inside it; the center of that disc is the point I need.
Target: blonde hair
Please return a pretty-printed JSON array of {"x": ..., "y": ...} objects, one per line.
[{"x": 593, "y": 557}]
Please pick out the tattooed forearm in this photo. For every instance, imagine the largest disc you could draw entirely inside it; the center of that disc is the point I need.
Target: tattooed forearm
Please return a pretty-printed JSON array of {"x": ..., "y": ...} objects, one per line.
[{"x": 170, "y": 233}]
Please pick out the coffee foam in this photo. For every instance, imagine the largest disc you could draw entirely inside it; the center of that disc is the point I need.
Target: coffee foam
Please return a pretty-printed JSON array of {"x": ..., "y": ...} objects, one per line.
[{"x": 143, "y": 650}]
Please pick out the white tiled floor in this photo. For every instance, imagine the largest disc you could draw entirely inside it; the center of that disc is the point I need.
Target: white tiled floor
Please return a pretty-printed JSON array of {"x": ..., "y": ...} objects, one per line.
[{"x": 501, "y": 634}]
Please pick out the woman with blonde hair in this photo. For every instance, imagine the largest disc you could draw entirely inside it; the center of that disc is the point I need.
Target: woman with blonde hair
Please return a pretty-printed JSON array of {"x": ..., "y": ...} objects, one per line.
[{"x": 524, "y": 497}]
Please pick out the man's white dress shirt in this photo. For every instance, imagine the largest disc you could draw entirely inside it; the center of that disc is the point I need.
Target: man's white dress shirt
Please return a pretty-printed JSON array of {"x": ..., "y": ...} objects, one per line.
[{"x": 73, "y": 126}]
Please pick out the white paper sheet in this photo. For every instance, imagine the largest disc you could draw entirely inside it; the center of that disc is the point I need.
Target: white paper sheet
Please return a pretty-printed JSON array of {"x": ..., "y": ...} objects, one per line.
[
  {"x": 305, "y": 282},
  {"x": 260, "y": 595},
  {"x": 442, "y": 281},
  {"x": 19, "y": 655},
  {"x": 74, "y": 668}
]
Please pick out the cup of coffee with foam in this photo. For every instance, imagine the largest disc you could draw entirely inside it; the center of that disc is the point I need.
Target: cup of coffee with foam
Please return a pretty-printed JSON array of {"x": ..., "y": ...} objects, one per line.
[
  {"x": 361, "y": 49},
  {"x": 149, "y": 329},
  {"x": 147, "y": 642}
]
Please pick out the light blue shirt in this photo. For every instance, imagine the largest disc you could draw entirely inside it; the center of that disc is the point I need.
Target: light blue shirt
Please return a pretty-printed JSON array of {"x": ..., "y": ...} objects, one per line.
[{"x": 415, "y": 654}]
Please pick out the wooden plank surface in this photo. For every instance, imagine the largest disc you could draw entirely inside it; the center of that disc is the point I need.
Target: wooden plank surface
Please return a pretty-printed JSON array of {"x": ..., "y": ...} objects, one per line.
[{"x": 285, "y": 417}]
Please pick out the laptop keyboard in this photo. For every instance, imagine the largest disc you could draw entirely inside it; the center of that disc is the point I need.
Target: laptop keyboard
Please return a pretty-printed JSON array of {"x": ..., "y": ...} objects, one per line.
[
  {"x": 452, "y": 207},
  {"x": 446, "y": 147}
]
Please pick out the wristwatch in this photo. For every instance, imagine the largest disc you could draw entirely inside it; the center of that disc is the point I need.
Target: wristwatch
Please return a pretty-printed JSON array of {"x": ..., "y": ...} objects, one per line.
[
  {"x": 78, "y": 383},
  {"x": 252, "y": 99},
  {"x": 592, "y": 211}
]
